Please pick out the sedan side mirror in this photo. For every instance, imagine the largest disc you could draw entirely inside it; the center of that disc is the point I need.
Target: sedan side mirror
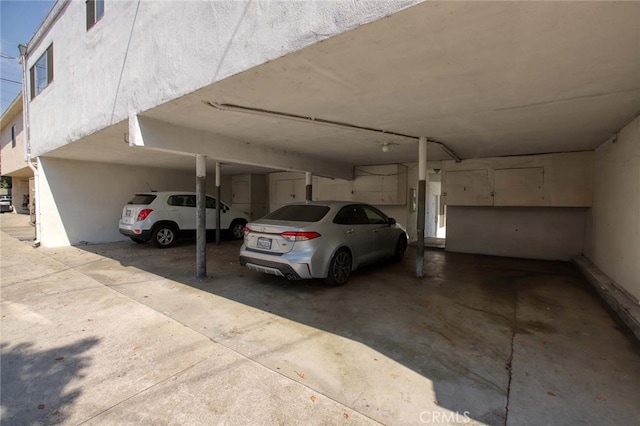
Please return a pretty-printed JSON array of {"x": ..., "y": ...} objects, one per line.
[{"x": 392, "y": 221}]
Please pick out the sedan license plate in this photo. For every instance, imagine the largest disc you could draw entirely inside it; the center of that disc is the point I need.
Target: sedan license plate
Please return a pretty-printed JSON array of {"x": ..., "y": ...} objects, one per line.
[{"x": 264, "y": 243}]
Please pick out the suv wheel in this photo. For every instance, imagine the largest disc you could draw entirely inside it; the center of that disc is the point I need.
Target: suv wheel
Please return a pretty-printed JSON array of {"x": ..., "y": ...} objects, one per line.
[
  {"x": 236, "y": 230},
  {"x": 163, "y": 236}
]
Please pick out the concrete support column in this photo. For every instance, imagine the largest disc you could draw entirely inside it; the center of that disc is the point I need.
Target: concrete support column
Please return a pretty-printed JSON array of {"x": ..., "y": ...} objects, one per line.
[
  {"x": 309, "y": 185},
  {"x": 201, "y": 217},
  {"x": 422, "y": 196},
  {"x": 218, "y": 203}
]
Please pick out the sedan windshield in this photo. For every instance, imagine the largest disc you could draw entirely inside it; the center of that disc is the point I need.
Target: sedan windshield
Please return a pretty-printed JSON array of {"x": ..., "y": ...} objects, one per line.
[{"x": 299, "y": 213}]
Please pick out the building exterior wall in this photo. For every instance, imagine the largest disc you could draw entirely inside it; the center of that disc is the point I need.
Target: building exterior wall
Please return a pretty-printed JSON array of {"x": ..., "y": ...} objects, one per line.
[
  {"x": 142, "y": 54},
  {"x": 84, "y": 200},
  {"x": 613, "y": 223},
  {"x": 13, "y": 157}
]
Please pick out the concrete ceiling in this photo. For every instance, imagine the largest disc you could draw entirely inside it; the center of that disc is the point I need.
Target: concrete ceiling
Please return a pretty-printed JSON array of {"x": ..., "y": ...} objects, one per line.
[{"x": 486, "y": 79}]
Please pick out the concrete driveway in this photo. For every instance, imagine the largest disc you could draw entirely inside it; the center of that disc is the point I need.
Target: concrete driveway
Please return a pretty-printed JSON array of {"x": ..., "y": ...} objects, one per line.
[{"x": 124, "y": 333}]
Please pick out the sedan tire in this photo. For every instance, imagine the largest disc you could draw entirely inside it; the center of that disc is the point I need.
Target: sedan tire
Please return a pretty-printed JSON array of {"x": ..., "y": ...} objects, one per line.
[
  {"x": 401, "y": 248},
  {"x": 163, "y": 236},
  {"x": 339, "y": 268}
]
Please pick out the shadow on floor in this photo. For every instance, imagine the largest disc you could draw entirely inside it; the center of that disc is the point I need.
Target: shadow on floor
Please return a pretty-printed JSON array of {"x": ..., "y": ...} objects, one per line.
[
  {"x": 457, "y": 326},
  {"x": 37, "y": 386}
]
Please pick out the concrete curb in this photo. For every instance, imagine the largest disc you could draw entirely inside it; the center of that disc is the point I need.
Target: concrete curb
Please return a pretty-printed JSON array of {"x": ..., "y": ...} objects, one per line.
[{"x": 622, "y": 303}]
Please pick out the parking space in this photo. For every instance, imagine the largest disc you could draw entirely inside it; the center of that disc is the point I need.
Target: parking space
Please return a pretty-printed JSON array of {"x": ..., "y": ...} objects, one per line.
[{"x": 491, "y": 340}]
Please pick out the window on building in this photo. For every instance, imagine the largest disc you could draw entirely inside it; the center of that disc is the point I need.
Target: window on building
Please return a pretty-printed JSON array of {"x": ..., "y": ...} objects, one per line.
[
  {"x": 95, "y": 11},
  {"x": 42, "y": 72},
  {"x": 13, "y": 136}
]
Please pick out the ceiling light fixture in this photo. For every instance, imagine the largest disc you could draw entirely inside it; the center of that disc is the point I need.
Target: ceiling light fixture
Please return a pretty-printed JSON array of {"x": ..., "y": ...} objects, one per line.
[{"x": 386, "y": 146}]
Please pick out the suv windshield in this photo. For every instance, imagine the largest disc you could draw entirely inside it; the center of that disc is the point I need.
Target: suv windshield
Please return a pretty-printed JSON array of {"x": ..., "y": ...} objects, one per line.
[
  {"x": 299, "y": 213},
  {"x": 145, "y": 199}
]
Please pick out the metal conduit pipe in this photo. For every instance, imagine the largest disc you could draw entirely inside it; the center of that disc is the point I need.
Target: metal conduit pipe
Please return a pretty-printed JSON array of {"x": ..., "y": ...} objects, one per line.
[
  {"x": 36, "y": 181},
  {"x": 27, "y": 142},
  {"x": 323, "y": 122}
]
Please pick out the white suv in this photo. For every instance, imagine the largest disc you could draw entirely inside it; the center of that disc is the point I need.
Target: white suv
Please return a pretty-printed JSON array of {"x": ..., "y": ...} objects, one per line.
[{"x": 162, "y": 217}]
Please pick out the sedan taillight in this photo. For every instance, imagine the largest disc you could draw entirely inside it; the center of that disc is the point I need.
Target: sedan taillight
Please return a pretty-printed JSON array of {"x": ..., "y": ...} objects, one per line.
[
  {"x": 299, "y": 236},
  {"x": 144, "y": 214}
]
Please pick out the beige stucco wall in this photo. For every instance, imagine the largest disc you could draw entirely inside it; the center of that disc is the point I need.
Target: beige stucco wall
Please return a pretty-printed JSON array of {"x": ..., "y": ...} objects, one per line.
[
  {"x": 13, "y": 157},
  {"x": 613, "y": 223},
  {"x": 552, "y": 233},
  {"x": 143, "y": 54}
]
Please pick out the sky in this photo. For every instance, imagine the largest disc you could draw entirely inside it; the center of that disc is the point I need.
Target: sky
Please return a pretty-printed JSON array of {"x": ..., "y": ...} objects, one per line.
[{"x": 19, "y": 20}]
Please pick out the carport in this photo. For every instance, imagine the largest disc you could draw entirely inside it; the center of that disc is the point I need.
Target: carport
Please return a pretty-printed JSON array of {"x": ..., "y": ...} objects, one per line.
[
  {"x": 522, "y": 93},
  {"x": 474, "y": 80}
]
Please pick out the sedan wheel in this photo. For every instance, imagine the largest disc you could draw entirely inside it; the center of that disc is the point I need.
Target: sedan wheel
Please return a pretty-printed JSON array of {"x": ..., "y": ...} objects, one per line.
[
  {"x": 163, "y": 236},
  {"x": 339, "y": 268}
]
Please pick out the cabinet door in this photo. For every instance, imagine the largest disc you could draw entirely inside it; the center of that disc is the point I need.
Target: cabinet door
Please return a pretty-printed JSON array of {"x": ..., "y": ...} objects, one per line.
[
  {"x": 240, "y": 191},
  {"x": 289, "y": 191},
  {"x": 519, "y": 187},
  {"x": 468, "y": 188}
]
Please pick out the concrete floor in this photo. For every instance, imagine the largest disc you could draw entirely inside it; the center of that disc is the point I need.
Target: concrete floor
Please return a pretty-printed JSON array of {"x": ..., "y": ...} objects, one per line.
[{"x": 123, "y": 333}]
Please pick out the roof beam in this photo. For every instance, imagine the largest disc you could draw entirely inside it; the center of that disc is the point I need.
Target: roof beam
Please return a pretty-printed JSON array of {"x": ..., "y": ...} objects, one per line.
[{"x": 157, "y": 135}]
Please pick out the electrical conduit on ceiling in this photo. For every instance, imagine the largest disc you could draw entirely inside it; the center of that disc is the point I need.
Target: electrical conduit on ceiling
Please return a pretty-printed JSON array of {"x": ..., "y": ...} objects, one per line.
[{"x": 321, "y": 121}]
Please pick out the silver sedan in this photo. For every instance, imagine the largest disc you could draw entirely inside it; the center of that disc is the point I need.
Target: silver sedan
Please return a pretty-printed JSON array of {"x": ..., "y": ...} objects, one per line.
[{"x": 321, "y": 240}]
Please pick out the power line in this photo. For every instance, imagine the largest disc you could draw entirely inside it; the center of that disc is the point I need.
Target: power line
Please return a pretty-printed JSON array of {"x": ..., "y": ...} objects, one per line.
[
  {"x": 10, "y": 71},
  {"x": 2, "y": 55},
  {"x": 10, "y": 81},
  {"x": 11, "y": 77}
]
